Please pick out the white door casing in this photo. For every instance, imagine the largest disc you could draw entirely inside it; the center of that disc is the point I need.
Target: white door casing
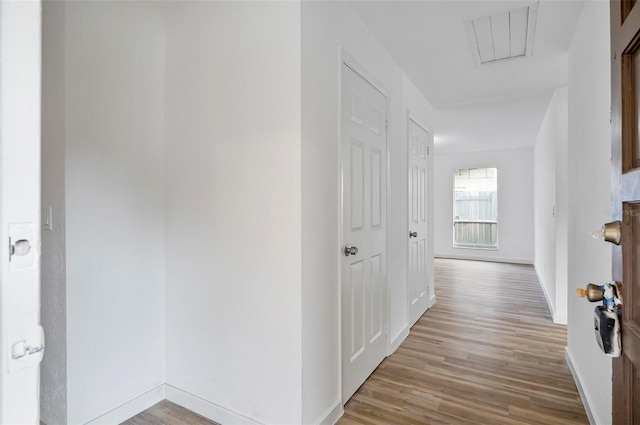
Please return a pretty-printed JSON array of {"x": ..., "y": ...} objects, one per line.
[
  {"x": 21, "y": 337},
  {"x": 418, "y": 273},
  {"x": 364, "y": 184}
]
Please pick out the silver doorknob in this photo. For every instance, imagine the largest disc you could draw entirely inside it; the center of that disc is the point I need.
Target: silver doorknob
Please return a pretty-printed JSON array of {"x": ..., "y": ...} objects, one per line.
[
  {"x": 413, "y": 234},
  {"x": 350, "y": 250}
]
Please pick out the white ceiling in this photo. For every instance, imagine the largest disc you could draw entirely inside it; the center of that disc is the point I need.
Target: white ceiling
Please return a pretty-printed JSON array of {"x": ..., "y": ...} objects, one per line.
[{"x": 495, "y": 106}]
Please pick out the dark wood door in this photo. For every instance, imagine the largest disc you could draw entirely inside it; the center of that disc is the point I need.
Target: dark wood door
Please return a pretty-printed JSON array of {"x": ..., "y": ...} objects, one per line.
[{"x": 625, "y": 185}]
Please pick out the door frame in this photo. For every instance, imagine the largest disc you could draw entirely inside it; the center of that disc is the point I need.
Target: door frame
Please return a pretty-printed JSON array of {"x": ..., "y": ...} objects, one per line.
[
  {"x": 412, "y": 117},
  {"x": 346, "y": 59},
  {"x": 20, "y": 101}
]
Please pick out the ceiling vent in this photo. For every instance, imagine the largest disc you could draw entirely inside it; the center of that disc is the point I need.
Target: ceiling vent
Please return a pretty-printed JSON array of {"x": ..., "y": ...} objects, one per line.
[{"x": 503, "y": 35}]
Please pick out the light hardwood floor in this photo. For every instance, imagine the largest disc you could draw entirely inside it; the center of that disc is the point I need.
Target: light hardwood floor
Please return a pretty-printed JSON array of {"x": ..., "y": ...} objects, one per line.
[
  {"x": 486, "y": 353},
  {"x": 167, "y": 413}
]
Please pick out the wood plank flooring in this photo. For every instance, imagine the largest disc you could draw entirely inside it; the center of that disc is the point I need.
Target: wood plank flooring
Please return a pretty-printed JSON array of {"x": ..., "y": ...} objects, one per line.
[
  {"x": 167, "y": 413},
  {"x": 486, "y": 353}
]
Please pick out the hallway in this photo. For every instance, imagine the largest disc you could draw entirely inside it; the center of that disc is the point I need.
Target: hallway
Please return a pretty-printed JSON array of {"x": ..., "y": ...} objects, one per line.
[
  {"x": 486, "y": 353},
  {"x": 483, "y": 354}
]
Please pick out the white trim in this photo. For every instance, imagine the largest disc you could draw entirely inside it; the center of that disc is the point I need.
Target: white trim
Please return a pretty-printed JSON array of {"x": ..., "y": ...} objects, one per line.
[
  {"x": 431, "y": 210},
  {"x": 552, "y": 308},
  {"x": 387, "y": 221},
  {"x": 340, "y": 218},
  {"x": 561, "y": 319},
  {"x": 432, "y": 301},
  {"x": 398, "y": 339},
  {"x": 404, "y": 332},
  {"x": 430, "y": 304},
  {"x": 350, "y": 61},
  {"x": 558, "y": 318},
  {"x": 20, "y": 190},
  {"x": 206, "y": 408},
  {"x": 480, "y": 258},
  {"x": 131, "y": 408},
  {"x": 584, "y": 396},
  {"x": 416, "y": 120},
  {"x": 331, "y": 416}
]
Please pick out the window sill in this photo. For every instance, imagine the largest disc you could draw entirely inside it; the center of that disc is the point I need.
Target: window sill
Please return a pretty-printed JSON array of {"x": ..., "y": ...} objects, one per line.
[{"x": 481, "y": 248}]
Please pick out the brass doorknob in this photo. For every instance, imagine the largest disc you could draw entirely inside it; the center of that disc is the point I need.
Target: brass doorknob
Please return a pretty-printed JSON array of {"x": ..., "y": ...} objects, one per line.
[
  {"x": 593, "y": 293},
  {"x": 413, "y": 234},
  {"x": 610, "y": 232}
]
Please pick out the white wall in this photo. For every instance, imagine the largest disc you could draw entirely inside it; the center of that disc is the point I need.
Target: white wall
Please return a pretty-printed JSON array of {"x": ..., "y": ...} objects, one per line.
[
  {"x": 114, "y": 84},
  {"x": 589, "y": 199},
  {"x": 544, "y": 195},
  {"x": 233, "y": 208},
  {"x": 53, "y": 373},
  {"x": 246, "y": 212},
  {"x": 551, "y": 140},
  {"x": 328, "y": 27},
  {"x": 515, "y": 204}
]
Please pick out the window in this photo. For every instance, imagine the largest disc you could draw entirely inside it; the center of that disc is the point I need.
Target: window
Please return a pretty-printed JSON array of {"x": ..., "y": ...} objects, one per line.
[{"x": 475, "y": 208}]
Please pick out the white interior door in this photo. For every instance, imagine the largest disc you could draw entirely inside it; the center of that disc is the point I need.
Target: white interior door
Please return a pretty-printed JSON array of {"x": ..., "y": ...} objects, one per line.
[
  {"x": 418, "y": 221},
  {"x": 21, "y": 338},
  {"x": 364, "y": 294}
]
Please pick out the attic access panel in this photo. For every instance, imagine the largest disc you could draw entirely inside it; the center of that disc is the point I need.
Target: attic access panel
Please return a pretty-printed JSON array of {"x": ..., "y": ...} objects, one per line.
[{"x": 503, "y": 35}]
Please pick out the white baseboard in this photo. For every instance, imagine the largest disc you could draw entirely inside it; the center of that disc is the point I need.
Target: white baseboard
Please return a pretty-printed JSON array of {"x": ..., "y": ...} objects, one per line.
[
  {"x": 561, "y": 319},
  {"x": 196, "y": 404},
  {"x": 331, "y": 416},
  {"x": 432, "y": 301},
  {"x": 430, "y": 304},
  {"x": 552, "y": 308},
  {"x": 131, "y": 407},
  {"x": 558, "y": 318},
  {"x": 398, "y": 339},
  {"x": 473, "y": 257},
  {"x": 206, "y": 408},
  {"x": 584, "y": 395}
]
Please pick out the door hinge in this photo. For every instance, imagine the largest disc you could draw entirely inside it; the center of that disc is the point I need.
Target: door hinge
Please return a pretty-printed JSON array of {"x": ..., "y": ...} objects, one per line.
[{"x": 427, "y": 150}]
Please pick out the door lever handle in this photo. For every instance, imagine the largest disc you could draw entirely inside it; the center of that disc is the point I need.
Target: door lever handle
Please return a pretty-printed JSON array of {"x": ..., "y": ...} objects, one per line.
[
  {"x": 350, "y": 250},
  {"x": 413, "y": 234}
]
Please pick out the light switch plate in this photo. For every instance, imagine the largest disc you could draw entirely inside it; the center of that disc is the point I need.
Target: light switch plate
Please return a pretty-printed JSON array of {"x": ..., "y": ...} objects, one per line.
[{"x": 47, "y": 219}]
